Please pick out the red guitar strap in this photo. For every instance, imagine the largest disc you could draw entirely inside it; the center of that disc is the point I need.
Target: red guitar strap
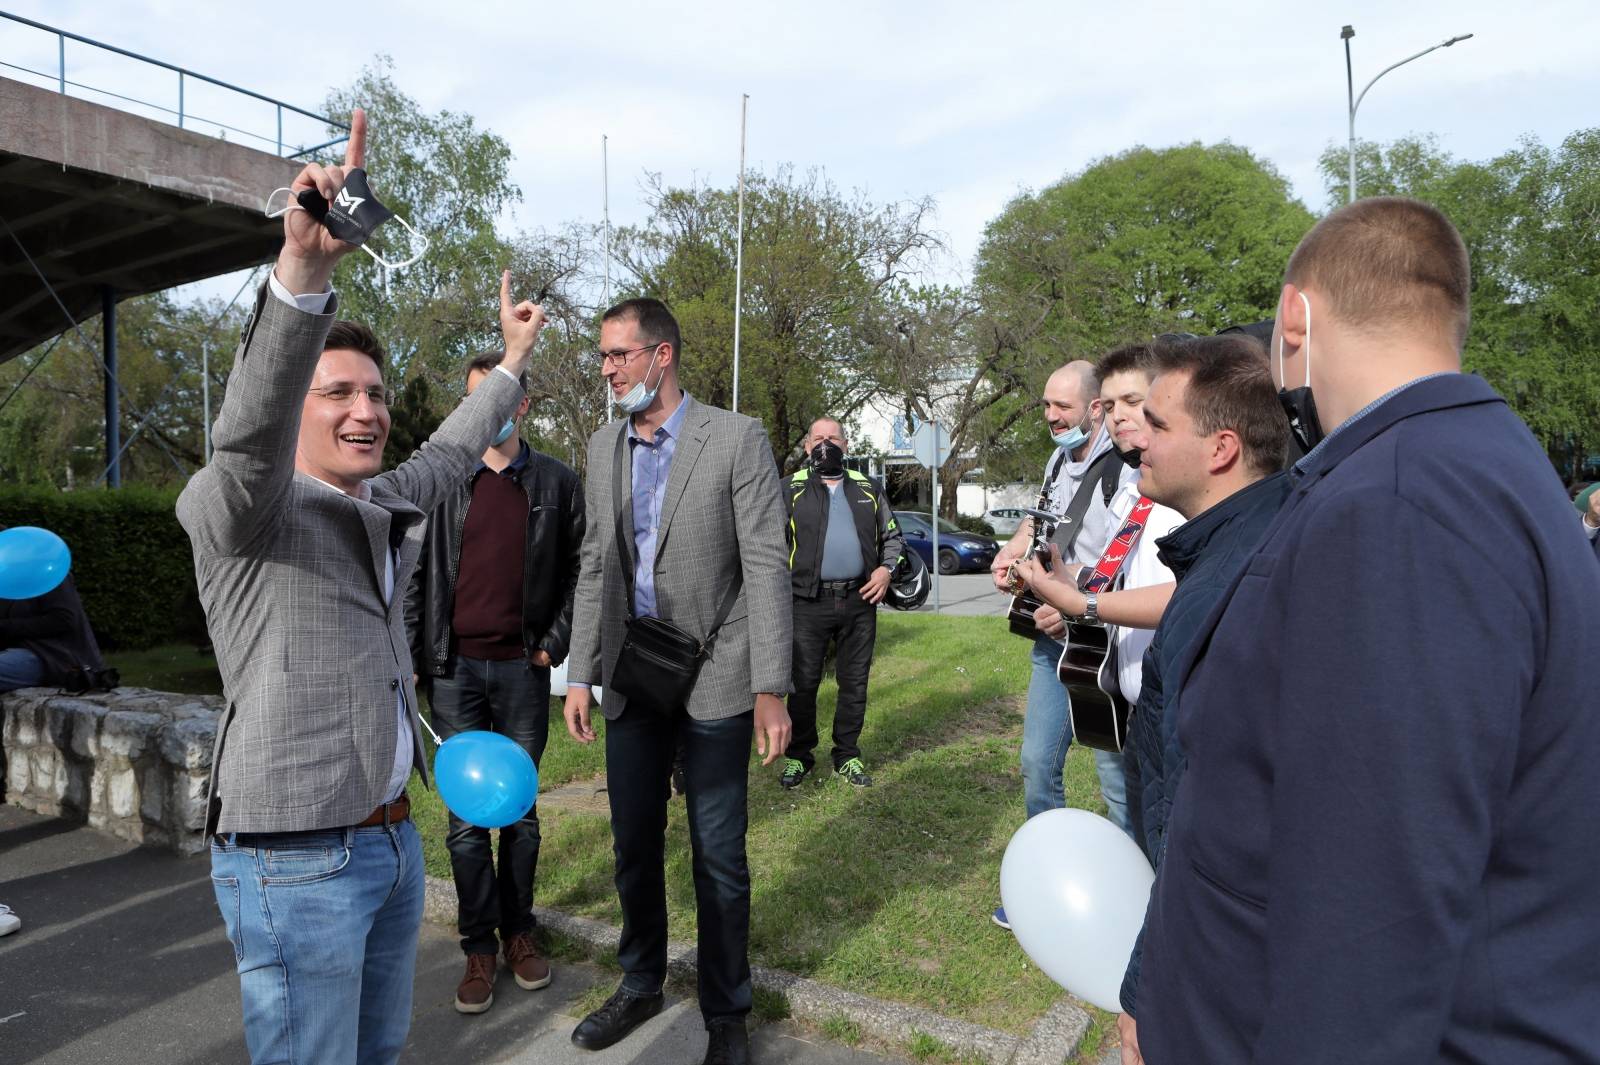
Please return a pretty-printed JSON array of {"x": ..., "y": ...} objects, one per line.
[{"x": 1122, "y": 545}]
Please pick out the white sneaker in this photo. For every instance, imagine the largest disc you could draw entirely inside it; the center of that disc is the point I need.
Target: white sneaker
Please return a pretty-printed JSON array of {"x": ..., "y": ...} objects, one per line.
[{"x": 9, "y": 922}]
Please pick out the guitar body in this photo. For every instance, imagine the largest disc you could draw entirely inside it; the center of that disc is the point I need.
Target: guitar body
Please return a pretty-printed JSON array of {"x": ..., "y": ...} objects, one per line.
[
  {"x": 1099, "y": 713},
  {"x": 1020, "y": 616}
]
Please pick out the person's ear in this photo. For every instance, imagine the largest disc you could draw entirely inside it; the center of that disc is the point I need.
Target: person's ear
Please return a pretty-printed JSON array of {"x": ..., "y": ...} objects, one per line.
[
  {"x": 1291, "y": 318},
  {"x": 522, "y": 408},
  {"x": 1225, "y": 451}
]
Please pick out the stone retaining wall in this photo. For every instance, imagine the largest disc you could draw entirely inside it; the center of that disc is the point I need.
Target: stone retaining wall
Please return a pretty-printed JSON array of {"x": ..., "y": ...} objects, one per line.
[{"x": 132, "y": 762}]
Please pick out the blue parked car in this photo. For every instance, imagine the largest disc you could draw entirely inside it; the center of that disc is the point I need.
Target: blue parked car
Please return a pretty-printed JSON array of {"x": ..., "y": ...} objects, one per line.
[{"x": 959, "y": 551}]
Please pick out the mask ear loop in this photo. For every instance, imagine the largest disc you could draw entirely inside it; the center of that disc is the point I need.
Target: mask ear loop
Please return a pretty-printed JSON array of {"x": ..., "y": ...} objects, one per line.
[
  {"x": 266, "y": 207},
  {"x": 1307, "y": 302},
  {"x": 1306, "y": 346},
  {"x": 404, "y": 262}
]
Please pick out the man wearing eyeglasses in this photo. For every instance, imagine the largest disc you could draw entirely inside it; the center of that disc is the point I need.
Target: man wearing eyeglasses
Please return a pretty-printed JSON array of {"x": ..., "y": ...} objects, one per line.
[
  {"x": 301, "y": 549},
  {"x": 686, "y": 526}
]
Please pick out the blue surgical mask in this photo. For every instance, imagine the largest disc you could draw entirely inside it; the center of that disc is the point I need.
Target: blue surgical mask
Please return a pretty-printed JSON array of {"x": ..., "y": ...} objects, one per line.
[
  {"x": 505, "y": 432},
  {"x": 639, "y": 397},
  {"x": 1071, "y": 438}
]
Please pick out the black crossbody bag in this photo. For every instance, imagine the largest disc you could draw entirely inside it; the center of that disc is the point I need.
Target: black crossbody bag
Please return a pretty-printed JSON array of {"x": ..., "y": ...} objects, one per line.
[{"x": 658, "y": 663}]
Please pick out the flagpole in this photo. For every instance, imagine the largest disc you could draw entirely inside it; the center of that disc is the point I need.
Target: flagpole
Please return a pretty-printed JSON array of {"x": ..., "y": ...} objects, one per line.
[
  {"x": 605, "y": 213},
  {"x": 738, "y": 260}
]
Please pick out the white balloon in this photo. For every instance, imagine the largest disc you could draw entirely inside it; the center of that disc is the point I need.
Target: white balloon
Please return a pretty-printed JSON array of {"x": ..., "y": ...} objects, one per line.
[{"x": 1075, "y": 888}]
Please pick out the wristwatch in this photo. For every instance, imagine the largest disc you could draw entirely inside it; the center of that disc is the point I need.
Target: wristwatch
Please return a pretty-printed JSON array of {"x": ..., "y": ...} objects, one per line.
[{"x": 1091, "y": 608}]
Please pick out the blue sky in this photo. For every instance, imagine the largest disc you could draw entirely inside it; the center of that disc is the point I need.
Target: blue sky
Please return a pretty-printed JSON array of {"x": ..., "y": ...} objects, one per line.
[{"x": 969, "y": 104}]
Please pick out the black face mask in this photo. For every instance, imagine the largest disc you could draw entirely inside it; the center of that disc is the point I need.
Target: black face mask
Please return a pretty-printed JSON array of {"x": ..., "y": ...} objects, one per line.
[
  {"x": 827, "y": 458},
  {"x": 1302, "y": 412},
  {"x": 355, "y": 213},
  {"x": 1129, "y": 457}
]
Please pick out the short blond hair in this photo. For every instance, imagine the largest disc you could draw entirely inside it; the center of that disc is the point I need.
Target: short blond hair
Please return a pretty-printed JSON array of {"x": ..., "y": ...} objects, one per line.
[{"x": 1389, "y": 261}]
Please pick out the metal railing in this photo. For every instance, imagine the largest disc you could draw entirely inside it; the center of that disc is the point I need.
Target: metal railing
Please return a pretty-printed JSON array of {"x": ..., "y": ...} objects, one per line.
[{"x": 62, "y": 81}]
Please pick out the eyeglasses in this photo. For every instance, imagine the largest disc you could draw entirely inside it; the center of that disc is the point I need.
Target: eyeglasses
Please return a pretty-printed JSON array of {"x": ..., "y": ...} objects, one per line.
[
  {"x": 617, "y": 358},
  {"x": 345, "y": 395}
]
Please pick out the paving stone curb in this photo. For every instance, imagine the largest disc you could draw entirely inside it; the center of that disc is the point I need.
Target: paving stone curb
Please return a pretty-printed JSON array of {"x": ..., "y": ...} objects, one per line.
[{"x": 1054, "y": 1039}]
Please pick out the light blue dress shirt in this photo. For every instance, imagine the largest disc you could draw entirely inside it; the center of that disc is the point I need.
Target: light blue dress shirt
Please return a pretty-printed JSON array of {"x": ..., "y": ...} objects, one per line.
[{"x": 652, "y": 464}]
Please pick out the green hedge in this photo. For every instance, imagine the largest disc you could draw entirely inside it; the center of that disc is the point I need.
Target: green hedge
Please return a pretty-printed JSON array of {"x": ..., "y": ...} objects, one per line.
[{"x": 130, "y": 559}]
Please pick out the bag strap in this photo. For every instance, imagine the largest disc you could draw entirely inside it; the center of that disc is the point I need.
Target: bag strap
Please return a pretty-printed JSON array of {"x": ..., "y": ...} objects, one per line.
[
  {"x": 1103, "y": 467},
  {"x": 1050, "y": 479},
  {"x": 622, "y": 480}
]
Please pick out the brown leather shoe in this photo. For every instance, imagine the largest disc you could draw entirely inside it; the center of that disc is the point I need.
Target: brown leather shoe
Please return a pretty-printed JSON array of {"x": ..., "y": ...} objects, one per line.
[
  {"x": 475, "y": 994},
  {"x": 522, "y": 958}
]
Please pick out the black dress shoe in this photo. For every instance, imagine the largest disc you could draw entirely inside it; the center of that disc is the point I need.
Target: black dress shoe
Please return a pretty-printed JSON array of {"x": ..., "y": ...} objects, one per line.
[
  {"x": 729, "y": 1044},
  {"x": 621, "y": 1014}
]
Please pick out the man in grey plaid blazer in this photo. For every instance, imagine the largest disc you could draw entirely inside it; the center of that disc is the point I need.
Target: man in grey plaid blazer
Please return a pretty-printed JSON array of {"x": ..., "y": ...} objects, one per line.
[
  {"x": 706, "y": 516},
  {"x": 299, "y": 546}
]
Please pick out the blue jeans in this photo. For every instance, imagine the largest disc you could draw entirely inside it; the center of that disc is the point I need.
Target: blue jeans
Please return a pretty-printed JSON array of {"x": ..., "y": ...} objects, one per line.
[
  {"x": 511, "y": 697},
  {"x": 1046, "y": 736},
  {"x": 20, "y": 668},
  {"x": 324, "y": 928},
  {"x": 716, "y": 766}
]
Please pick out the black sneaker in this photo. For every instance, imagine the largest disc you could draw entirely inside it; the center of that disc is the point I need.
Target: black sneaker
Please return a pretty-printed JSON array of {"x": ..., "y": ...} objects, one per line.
[
  {"x": 856, "y": 773},
  {"x": 727, "y": 1043},
  {"x": 621, "y": 1014},
  {"x": 794, "y": 771}
]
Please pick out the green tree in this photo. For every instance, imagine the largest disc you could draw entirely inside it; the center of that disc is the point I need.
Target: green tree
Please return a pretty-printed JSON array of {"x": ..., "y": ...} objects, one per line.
[
  {"x": 52, "y": 428},
  {"x": 1189, "y": 238},
  {"x": 1527, "y": 218},
  {"x": 451, "y": 181},
  {"x": 817, "y": 265}
]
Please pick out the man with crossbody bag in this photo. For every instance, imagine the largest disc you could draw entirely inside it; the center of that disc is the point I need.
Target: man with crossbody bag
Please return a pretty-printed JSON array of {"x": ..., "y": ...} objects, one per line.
[{"x": 683, "y": 614}]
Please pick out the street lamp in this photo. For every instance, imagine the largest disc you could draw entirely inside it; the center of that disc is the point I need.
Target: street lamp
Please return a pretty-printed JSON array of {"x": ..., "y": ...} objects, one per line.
[{"x": 1355, "y": 101}]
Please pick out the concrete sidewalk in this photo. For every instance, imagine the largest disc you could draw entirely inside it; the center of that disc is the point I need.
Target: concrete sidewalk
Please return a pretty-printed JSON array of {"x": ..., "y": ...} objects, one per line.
[{"x": 122, "y": 957}]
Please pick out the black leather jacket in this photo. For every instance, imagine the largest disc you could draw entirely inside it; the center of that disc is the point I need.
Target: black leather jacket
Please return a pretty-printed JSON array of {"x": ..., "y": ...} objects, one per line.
[{"x": 550, "y": 575}]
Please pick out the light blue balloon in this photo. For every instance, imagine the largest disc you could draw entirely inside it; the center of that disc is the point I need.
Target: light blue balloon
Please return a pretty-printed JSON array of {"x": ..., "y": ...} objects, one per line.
[
  {"x": 32, "y": 562},
  {"x": 485, "y": 778}
]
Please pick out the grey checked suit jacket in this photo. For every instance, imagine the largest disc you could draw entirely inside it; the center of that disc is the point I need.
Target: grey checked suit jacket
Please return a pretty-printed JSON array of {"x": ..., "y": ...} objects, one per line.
[
  {"x": 722, "y": 515},
  {"x": 291, "y": 577}
]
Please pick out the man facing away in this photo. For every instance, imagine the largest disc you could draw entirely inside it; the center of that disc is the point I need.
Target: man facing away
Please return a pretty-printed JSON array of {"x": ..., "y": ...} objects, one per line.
[
  {"x": 1084, "y": 461},
  {"x": 1376, "y": 850},
  {"x": 302, "y": 549},
  {"x": 488, "y": 613},
  {"x": 684, "y": 509},
  {"x": 843, "y": 544}
]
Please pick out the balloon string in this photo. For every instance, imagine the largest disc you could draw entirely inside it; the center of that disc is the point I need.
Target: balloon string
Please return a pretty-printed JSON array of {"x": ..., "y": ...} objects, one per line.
[{"x": 437, "y": 742}]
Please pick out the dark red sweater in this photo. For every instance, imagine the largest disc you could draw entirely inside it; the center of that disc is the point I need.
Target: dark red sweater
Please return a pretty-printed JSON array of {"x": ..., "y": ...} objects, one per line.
[{"x": 486, "y": 614}]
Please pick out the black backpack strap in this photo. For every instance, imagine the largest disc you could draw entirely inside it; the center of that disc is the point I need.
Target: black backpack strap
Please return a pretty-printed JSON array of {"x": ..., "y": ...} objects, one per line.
[{"x": 1072, "y": 522}]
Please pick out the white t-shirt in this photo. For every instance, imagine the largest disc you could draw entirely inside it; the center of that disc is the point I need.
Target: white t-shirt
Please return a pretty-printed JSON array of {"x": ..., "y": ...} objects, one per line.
[{"x": 1142, "y": 569}]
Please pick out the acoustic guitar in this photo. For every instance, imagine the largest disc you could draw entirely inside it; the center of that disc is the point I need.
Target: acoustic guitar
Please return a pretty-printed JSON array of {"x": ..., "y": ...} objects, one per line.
[
  {"x": 1099, "y": 713},
  {"x": 1019, "y": 616}
]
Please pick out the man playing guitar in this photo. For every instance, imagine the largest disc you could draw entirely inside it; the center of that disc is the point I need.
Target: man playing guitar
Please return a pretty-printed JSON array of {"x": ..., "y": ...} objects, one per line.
[{"x": 1115, "y": 603}]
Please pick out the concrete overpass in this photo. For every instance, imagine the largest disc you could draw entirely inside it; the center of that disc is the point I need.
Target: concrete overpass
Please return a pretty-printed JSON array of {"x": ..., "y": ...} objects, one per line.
[
  {"x": 98, "y": 204},
  {"x": 108, "y": 204}
]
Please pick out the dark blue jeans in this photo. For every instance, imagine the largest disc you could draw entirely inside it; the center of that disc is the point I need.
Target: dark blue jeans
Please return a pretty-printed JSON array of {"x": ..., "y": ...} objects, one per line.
[
  {"x": 716, "y": 764},
  {"x": 512, "y": 698}
]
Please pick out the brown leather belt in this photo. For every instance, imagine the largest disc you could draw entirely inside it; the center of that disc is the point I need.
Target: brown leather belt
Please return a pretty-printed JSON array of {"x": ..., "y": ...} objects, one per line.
[{"x": 389, "y": 813}]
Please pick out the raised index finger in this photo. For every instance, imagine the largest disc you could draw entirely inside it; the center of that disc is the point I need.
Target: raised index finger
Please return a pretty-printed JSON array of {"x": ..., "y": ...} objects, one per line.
[
  {"x": 505, "y": 293},
  {"x": 355, "y": 149}
]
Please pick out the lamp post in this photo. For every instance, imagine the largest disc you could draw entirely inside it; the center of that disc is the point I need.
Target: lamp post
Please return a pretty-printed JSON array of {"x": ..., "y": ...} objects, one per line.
[{"x": 1354, "y": 101}]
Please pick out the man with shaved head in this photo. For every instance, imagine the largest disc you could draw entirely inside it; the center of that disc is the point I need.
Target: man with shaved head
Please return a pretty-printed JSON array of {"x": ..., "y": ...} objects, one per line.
[
  {"x": 1377, "y": 850},
  {"x": 1083, "y": 461},
  {"x": 843, "y": 544}
]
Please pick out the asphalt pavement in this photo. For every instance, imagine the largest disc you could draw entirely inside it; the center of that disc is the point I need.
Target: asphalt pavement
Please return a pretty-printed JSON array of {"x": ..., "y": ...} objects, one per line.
[
  {"x": 121, "y": 957},
  {"x": 969, "y": 595}
]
